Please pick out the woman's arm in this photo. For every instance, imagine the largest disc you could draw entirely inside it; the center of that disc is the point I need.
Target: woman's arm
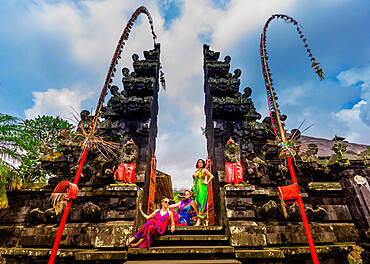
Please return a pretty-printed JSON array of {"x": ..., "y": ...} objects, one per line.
[
  {"x": 210, "y": 176},
  {"x": 172, "y": 222},
  {"x": 174, "y": 205},
  {"x": 147, "y": 217}
]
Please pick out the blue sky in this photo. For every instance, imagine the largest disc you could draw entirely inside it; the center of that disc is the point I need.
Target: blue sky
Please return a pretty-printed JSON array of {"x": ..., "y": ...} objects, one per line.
[{"x": 54, "y": 56}]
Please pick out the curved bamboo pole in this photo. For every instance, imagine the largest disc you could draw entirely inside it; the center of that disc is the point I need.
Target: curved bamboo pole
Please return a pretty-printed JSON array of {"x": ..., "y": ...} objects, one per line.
[
  {"x": 276, "y": 121},
  {"x": 88, "y": 140}
]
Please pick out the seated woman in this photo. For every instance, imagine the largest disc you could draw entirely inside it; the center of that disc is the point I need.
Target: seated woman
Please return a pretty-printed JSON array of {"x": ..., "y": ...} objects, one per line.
[
  {"x": 158, "y": 221},
  {"x": 186, "y": 207}
]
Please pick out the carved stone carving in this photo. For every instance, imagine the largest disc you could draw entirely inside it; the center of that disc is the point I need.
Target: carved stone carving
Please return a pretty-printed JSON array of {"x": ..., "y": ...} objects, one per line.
[{"x": 232, "y": 152}]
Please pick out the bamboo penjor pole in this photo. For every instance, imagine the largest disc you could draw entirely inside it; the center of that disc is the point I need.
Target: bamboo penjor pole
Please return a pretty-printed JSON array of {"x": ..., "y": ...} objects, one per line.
[
  {"x": 286, "y": 147},
  {"x": 89, "y": 139}
]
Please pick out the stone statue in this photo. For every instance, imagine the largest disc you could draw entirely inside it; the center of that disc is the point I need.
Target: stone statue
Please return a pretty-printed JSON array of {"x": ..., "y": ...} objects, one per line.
[
  {"x": 128, "y": 152},
  {"x": 127, "y": 163},
  {"x": 233, "y": 167},
  {"x": 115, "y": 102},
  {"x": 237, "y": 74},
  {"x": 85, "y": 123},
  {"x": 232, "y": 151},
  {"x": 125, "y": 72}
]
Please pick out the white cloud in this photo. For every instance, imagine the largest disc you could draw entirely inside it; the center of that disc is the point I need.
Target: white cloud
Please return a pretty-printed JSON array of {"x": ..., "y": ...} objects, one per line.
[
  {"x": 64, "y": 103},
  {"x": 92, "y": 29},
  {"x": 182, "y": 60},
  {"x": 293, "y": 96},
  {"x": 243, "y": 16},
  {"x": 352, "y": 114},
  {"x": 356, "y": 120},
  {"x": 356, "y": 129},
  {"x": 354, "y": 76}
]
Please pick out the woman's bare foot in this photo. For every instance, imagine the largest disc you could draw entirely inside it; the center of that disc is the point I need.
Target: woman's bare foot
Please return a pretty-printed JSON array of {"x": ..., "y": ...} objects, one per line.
[
  {"x": 206, "y": 222},
  {"x": 198, "y": 222},
  {"x": 137, "y": 243}
]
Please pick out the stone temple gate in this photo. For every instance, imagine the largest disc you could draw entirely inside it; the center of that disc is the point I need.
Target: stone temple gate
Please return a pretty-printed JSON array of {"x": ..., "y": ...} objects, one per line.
[{"x": 249, "y": 224}]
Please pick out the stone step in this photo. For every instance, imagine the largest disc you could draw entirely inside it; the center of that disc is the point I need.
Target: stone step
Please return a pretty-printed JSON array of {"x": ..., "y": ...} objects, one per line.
[
  {"x": 182, "y": 252},
  {"x": 197, "y": 230},
  {"x": 41, "y": 255},
  {"x": 99, "y": 255},
  {"x": 186, "y": 261},
  {"x": 180, "y": 240},
  {"x": 260, "y": 254}
]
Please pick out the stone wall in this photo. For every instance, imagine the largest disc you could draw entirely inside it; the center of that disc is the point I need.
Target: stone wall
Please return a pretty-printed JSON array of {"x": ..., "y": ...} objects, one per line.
[{"x": 98, "y": 218}]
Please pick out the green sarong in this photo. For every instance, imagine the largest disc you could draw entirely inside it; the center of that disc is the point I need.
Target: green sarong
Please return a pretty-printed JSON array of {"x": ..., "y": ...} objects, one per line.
[{"x": 201, "y": 195}]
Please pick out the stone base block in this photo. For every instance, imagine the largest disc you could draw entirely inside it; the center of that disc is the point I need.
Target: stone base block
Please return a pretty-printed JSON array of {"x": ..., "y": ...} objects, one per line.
[{"x": 99, "y": 235}]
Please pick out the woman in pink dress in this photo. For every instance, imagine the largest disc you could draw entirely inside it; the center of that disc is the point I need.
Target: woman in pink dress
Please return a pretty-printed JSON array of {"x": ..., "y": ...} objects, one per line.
[{"x": 158, "y": 221}]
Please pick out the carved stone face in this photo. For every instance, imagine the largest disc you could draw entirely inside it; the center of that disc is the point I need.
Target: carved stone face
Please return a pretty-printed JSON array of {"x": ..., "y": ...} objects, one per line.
[
  {"x": 84, "y": 114},
  {"x": 114, "y": 89}
]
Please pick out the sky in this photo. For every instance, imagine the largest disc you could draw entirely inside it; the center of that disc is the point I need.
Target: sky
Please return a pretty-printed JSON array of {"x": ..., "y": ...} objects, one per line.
[{"x": 55, "y": 54}]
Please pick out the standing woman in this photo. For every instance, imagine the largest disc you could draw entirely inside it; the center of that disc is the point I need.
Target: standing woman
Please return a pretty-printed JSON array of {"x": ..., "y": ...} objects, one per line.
[
  {"x": 201, "y": 178},
  {"x": 158, "y": 221}
]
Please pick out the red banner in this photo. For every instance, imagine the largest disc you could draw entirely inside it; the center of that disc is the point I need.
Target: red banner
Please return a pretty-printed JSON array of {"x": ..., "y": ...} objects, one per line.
[{"x": 289, "y": 193}]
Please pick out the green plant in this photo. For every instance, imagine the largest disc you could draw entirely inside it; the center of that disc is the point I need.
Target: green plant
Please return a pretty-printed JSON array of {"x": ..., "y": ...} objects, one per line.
[
  {"x": 22, "y": 143},
  {"x": 176, "y": 196},
  {"x": 40, "y": 137},
  {"x": 10, "y": 155}
]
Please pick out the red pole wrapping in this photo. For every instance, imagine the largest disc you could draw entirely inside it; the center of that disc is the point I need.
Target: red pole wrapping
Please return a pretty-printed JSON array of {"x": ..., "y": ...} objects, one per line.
[
  {"x": 66, "y": 211},
  {"x": 303, "y": 214},
  {"x": 60, "y": 232}
]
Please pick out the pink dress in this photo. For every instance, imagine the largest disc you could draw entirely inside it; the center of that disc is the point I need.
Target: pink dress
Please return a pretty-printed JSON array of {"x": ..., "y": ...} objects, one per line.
[{"x": 152, "y": 228}]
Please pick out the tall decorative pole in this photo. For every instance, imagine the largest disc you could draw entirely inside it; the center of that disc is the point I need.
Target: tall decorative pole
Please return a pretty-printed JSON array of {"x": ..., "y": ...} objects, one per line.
[
  {"x": 287, "y": 150},
  {"x": 91, "y": 138}
]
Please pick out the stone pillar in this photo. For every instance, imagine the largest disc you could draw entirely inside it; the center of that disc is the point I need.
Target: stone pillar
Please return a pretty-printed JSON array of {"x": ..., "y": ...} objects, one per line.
[
  {"x": 356, "y": 189},
  {"x": 132, "y": 113},
  {"x": 229, "y": 113}
]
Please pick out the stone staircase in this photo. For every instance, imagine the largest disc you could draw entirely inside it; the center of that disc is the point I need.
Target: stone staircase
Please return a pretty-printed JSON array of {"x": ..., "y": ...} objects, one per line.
[{"x": 194, "y": 244}]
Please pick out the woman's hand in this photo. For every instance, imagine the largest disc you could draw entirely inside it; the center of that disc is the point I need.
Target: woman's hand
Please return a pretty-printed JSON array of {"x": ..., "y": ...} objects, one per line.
[
  {"x": 147, "y": 217},
  {"x": 210, "y": 175},
  {"x": 141, "y": 211},
  {"x": 172, "y": 222}
]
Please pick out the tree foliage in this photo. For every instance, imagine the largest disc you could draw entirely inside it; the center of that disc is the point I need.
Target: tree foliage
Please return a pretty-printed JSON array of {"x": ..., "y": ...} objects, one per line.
[
  {"x": 41, "y": 136},
  {"x": 22, "y": 143},
  {"x": 176, "y": 196},
  {"x": 9, "y": 155}
]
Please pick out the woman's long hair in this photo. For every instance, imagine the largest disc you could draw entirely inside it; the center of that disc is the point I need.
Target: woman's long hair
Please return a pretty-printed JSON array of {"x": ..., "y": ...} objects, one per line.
[{"x": 204, "y": 164}]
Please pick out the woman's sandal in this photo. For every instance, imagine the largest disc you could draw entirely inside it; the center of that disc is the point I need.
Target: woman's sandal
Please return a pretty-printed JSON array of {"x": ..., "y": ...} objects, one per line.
[{"x": 127, "y": 244}]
